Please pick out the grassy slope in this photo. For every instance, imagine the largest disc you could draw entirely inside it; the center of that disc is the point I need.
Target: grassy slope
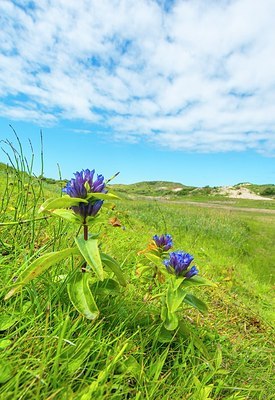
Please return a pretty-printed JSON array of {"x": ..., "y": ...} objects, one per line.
[
  {"x": 51, "y": 352},
  {"x": 164, "y": 188}
]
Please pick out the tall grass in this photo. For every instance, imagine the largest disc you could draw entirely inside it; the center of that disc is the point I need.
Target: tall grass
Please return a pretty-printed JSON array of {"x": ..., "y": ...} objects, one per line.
[{"x": 48, "y": 351}]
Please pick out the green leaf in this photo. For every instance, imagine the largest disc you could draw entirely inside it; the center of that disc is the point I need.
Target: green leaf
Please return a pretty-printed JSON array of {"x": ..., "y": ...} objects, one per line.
[
  {"x": 177, "y": 281},
  {"x": 223, "y": 371},
  {"x": 5, "y": 371},
  {"x": 38, "y": 266},
  {"x": 4, "y": 343},
  {"x": 6, "y": 321},
  {"x": 174, "y": 298},
  {"x": 102, "y": 196},
  {"x": 69, "y": 215},
  {"x": 109, "y": 262},
  {"x": 184, "y": 330},
  {"x": 130, "y": 366},
  {"x": 106, "y": 286},
  {"x": 90, "y": 252},
  {"x": 173, "y": 301},
  {"x": 61, "y": 202},
  {"x": 197, "y": 281},
  {"x": 218, "y": 357},
  {"x": 195, "y": 302},
  {"x": 81, "y": 296},
  {"x": 142, "y": 269},
  {"x": 170, "y": 319},
  {"x": 165, "y": 336},
  {"x": 171, "y": 322},
  {"x": 152, "y": 257},
  {"x": 91, "y": 220}
]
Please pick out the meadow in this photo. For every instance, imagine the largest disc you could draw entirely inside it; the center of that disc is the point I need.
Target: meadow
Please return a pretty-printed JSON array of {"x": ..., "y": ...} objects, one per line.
[{"x": 49, "y": 351}]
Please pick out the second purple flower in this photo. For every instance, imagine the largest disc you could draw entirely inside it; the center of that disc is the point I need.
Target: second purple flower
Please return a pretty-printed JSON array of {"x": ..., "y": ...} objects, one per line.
[{"x": 164, "y": 242}]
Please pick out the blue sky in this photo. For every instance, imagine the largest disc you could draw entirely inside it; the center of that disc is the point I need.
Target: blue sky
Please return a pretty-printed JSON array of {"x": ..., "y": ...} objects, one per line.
[{"x": 177, "y": 90}]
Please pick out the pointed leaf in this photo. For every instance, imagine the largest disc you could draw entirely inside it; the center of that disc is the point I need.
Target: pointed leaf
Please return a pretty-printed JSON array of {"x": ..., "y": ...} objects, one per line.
[
  {"x": 6, "y": 371},
  {"x": 102, "y": 196},
  {"x": 195, "y": 302},
  {"x": 171, "y": 322},
  {"x": 90, "y": 252},
  {"x": 61, "y": 202},
  {"x": 91, "y": 220},
  {"x": 197, "y": 281},
  {"x": 6, "y": 321},
  {"x": 178, "y": 281},
  {"x": 152, "y": 257},
  {"x": 38, "y": 266},
  {"x": 184, "y": 329},
  {"x": 174, "y": 299},
  {"x": 164, "y": 335},
  {"x": 4, "y": 343},
  {"x": 169, "y": 318},
  {"x": 81, "y": 296},
  {"x": 109, "y": 286},
  {"x": 218, "y": 357},
  {"x": 114, "y": 267},
  {"x": 142, "y": 269},
  {"x": 68, "y": 215}
]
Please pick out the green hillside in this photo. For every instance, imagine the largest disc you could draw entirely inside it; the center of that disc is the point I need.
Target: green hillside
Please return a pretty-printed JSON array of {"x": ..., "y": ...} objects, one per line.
[
  {"x": 50, "y": 351},
  {"x": 153, "y": 188},
  {"x": 165, "y": 188}
]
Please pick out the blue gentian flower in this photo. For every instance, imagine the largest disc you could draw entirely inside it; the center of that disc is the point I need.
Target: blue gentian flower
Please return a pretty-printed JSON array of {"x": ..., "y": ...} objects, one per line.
[
  {"x": 192, "y": 272},
  {"x": 164, "y": 242},
  {"x": 178, "y": 263},
  {"x": 81, "y": 186}
]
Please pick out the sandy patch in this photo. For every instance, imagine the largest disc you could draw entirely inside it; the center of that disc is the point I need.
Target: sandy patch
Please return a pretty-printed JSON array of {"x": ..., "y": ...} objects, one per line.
[{"x": 241, "y": 193}]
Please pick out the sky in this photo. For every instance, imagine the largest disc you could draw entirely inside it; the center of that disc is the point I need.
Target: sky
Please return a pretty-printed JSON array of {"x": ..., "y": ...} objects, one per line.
[{"x": 176, "y": 90}]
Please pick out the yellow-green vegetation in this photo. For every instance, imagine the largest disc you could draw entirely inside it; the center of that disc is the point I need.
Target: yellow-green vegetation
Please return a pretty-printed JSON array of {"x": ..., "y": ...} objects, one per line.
[
  {"x": 164, "y": 188},
  {"x": 49, "y": 351},
  {"x": 262, "y": 190}
]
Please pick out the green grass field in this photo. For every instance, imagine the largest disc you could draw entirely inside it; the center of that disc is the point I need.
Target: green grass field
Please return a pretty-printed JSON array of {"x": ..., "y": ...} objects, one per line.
[{"x": 49, "y": 351}]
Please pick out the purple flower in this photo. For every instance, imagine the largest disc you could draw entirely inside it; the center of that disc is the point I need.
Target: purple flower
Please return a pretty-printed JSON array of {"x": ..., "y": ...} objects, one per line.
[
  {"x": 81, "y": 186},
  {"x": 90, "y": 209},
  {"x": 178, "y": 263},
  {"x": 164, "y": 242},
  {"x": 192, "y": 272}
]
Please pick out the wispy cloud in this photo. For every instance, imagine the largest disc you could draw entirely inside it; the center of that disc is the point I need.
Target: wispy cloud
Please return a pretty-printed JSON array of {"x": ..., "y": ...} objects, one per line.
[{"x": 186, "y": 75}]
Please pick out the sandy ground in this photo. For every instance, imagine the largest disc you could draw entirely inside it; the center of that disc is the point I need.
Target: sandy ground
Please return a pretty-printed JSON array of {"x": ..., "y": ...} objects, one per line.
[
  {"x": 231, "y": 192},
  {"x": 241, "y": 193}
]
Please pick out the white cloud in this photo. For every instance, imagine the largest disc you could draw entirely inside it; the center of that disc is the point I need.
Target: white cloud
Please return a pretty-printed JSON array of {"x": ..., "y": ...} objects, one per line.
[{"x": 199, "y": 77}]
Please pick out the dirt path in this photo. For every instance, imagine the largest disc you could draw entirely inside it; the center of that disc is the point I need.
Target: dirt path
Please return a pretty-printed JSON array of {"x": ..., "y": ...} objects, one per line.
[
  {"x": 209, "y": 205},
  {"x": 230, "y": 208}
]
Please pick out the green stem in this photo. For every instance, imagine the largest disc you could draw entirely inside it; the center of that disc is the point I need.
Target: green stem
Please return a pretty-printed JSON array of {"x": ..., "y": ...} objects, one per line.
[
  {"x": 26, "y": 221},
  {"x": 85, "y": 233}
]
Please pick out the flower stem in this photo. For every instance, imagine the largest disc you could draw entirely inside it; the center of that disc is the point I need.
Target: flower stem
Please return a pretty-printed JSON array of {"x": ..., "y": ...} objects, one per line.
[{"x": 85, "y": 233}]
